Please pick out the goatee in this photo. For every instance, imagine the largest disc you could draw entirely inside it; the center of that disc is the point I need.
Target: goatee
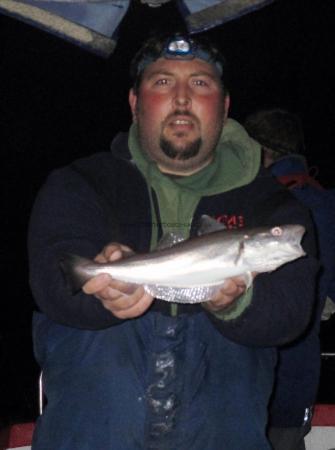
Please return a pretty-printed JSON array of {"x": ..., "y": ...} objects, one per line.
[{"x": 172, "y": 152}]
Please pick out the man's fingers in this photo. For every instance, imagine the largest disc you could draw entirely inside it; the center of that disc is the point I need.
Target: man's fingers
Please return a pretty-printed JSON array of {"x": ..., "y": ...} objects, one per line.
[
  {"x": 100, "y": 258},
  {"x": 232, "y": 285},
  {"x": 134, "y": 308},
  {"x": 124, "y": 306},
  {"x": 119, "y": 299},
  {"x": 140, "y": 307},
  {"x": 113, "y": 252},
  {"x": 123, "y": 300},
  {"x": 229, "y": 292},
  {"x": 121, "y": 286},
  {"x": 97, "y": 283}
]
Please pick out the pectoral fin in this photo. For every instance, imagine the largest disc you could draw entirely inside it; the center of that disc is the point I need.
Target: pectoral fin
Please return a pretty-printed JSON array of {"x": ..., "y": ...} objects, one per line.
[{"x": 248, "y": 279}]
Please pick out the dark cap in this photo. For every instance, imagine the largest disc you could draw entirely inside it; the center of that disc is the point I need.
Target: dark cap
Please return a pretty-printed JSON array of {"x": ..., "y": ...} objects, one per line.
[{"x": 179, "y": 46}]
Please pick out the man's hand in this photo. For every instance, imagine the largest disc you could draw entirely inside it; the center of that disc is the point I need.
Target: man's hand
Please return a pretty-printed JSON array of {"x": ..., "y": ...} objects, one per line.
[
  {"x": 232, "y": 289},
  {"x": 123, "y": 300}
]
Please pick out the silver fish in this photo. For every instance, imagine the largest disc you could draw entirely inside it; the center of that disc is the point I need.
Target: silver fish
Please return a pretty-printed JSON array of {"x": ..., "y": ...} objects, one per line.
[{"x": 192, "y": 270}]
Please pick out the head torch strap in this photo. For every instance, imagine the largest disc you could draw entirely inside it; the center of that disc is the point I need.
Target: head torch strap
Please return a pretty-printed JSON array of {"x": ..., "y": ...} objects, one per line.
[{"x": 182, "y": 48}]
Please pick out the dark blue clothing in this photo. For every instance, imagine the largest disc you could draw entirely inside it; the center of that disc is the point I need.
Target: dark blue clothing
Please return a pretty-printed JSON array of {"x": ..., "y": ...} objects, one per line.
[
  {"x": 156, "y": 382},
  {"x": 299, "y": 364},
  {"x": 151, "y": 383}
]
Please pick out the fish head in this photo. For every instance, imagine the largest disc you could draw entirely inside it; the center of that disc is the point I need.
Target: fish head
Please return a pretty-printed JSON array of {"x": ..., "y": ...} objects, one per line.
[{"x": 268, "y": 248}]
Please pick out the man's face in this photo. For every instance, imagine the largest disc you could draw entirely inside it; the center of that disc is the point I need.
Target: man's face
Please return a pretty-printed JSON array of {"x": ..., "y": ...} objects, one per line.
[{"x": 180, "y": 110}]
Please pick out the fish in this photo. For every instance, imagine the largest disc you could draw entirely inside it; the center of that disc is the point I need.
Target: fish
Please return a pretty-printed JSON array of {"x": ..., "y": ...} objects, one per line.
[{"x": 190, "y": 271}]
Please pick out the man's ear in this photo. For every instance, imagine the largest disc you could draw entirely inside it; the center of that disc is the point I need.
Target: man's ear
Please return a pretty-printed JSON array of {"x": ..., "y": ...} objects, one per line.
[
  {"x": 226, "y": 107},
  {"x": 133, "y": 104}
]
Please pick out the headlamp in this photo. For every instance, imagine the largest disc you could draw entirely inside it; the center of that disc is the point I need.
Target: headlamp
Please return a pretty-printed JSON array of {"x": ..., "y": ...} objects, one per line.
[
  {"x": 179, "y": 48},
  {"x": 182, "y": 47}
]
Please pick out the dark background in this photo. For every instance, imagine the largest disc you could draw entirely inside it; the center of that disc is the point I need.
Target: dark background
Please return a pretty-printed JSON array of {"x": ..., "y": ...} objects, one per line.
[{"x": 59, "y": 102}]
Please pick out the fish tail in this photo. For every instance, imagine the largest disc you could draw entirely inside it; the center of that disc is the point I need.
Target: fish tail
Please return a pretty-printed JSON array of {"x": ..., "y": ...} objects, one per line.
[{"x": 74, "y": 277}]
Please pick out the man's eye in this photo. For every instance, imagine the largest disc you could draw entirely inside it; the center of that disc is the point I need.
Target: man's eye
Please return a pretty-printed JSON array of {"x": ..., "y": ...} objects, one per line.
[
  {"x": 200, "y": 83},
  {"x": 162, "y": 81}
]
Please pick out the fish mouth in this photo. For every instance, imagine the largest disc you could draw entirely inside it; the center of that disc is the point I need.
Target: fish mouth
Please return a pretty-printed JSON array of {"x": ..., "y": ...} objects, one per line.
[
  {"x": 293, "y": 249},
  {"x": 299, "y": 251},
  {"x": 296, "y": 231}
]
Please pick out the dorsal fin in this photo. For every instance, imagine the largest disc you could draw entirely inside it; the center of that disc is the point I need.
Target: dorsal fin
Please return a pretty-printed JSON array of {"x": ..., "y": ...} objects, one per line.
[{"x": 208, "y": 225}]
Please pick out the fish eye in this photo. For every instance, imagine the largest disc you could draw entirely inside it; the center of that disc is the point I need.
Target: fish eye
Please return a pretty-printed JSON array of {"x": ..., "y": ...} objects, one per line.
[{"x": 276, "y": 231}]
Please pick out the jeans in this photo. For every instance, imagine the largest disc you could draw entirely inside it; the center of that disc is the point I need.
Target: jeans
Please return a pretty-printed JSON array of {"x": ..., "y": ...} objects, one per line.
[{"x": 156, "y": 382}]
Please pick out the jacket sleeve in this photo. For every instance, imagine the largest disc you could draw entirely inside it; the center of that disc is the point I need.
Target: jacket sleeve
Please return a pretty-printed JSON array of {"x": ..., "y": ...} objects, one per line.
[
  {"x": 68, "y": 217},
  {"x": 281, "y": 303}
]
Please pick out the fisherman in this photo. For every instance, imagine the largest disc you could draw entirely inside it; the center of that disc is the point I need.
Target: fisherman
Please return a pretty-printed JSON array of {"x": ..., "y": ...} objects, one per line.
[
  {"x": 281, "y": 135},
  {"x": 122, "y": 370}
]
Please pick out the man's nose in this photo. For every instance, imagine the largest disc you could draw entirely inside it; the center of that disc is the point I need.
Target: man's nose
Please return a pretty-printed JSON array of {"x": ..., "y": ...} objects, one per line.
[{"x": 182, "y": 96}]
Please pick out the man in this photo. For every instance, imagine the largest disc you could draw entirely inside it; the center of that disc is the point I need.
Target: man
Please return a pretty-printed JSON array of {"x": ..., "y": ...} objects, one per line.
[
  {"x": 125, "y": 371},
  {"x": 282, "y": 138}
]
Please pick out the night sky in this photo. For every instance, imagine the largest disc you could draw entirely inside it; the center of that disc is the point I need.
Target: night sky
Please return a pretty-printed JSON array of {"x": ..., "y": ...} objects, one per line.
[{"x": 59, "y": 102}]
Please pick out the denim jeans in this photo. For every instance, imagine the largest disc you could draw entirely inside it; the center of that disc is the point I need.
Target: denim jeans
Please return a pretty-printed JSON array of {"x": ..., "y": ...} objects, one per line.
[{"x": 156, "y": 382}]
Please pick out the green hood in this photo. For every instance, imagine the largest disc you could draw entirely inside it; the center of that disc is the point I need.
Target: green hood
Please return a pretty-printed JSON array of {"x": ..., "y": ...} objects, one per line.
[{"x": 236, "y": 163}]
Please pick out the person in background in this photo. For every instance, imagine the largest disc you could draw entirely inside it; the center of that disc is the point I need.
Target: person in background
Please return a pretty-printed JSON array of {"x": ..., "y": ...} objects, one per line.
[
  {"x": 125, "y": 371},
  {"x": 281, "y": 136}
]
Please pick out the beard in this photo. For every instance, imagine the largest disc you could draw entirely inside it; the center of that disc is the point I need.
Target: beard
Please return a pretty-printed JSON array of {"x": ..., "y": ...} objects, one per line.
[{"x": 189, "y": 151}]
